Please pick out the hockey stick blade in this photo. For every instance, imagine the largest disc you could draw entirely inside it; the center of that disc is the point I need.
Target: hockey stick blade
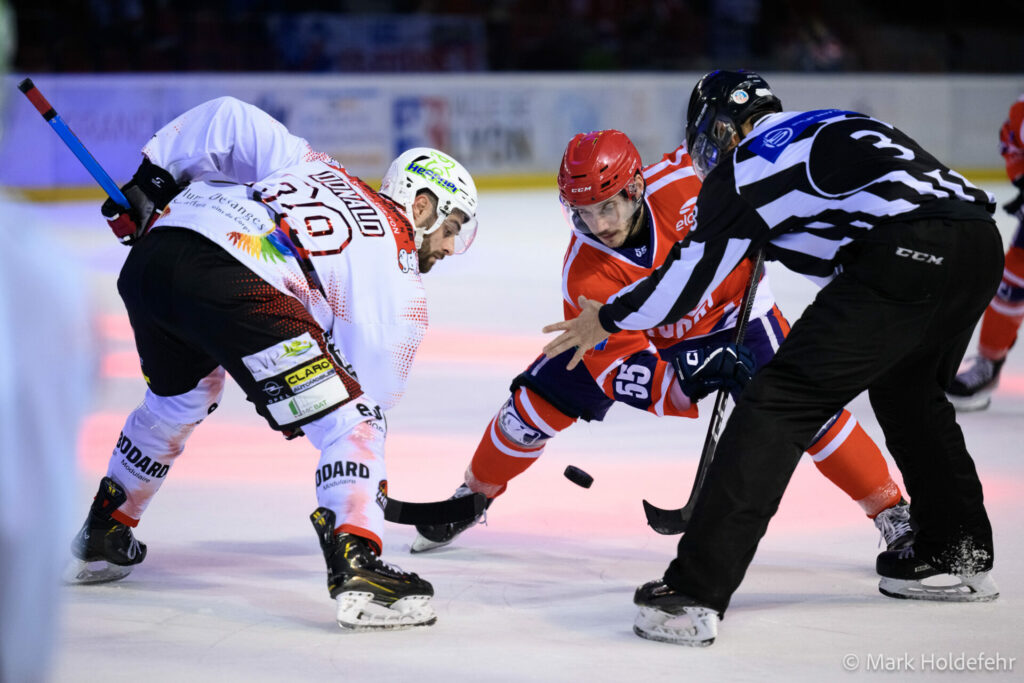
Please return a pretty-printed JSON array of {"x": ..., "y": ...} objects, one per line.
[
  {"x": 437, "y": 512},
  {"x": 668, "y": 522}
]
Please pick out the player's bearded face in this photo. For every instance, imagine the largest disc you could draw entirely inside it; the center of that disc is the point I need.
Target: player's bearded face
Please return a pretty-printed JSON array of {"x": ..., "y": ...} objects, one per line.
[
  {"x": 439, "y": 243},
  {"x": 611, "y": 221}
]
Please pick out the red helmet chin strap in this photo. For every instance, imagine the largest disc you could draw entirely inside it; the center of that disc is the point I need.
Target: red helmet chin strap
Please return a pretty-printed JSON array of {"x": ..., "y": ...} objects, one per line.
[{"x": 636, "y": 196}]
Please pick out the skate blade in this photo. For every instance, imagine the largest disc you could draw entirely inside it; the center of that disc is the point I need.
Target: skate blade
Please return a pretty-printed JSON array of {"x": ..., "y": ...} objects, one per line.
[
  {"x": 970, "y": 404},
  {"x": 81, "y": 572},
  {"x": 942, "y": 588},
  {"x": 421, "y": 544},
  {"x": 358, "y": 612},
  {"x": 695, "y": 627}
]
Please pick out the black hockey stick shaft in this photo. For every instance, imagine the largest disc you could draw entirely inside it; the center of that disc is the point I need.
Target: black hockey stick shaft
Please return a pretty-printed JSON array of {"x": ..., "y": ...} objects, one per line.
[
  {"x": 438, "y": 512},
  {"x": 675, "y": 521}
]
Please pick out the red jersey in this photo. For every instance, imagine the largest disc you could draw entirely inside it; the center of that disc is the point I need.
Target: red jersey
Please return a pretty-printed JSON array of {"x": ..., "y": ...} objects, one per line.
[
  {"x": 627, "y": 366},
  {"x": 1011, "y": 140}
]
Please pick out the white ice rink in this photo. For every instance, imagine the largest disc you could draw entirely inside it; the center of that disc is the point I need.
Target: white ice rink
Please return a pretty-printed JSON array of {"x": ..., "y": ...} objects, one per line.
[{"x": 233, "y": 588}]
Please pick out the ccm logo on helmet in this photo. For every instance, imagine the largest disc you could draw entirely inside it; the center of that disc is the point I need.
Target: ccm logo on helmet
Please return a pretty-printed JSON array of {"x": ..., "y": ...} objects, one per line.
[{"x": 580, "y": 189}]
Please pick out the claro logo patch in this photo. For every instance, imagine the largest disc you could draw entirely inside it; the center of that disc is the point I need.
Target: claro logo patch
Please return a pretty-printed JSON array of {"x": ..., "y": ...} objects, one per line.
[{"x": 309, "y": 375}]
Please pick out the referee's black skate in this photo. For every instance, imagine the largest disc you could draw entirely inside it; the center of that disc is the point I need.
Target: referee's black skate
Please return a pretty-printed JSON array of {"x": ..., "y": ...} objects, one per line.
[
  {"x": 908, "y": 577},
  {"x": 104, "y": 549},
  {"x": 972, "y": 388},
  {"x": 430, "y": 536},
  {"x": 370, "y": 594},
  {"x": 671, "y": 617}
]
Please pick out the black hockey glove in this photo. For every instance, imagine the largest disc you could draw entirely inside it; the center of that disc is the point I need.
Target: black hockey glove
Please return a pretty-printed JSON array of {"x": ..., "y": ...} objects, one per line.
[
  {"x": 148, "y": 192},
  {"x": 1015, "y": 207},
  {"x": 701, "y": 371}
]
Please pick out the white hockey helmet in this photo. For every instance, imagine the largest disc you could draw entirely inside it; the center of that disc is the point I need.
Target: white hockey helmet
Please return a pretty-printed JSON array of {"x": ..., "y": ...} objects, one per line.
[{"x": 424, "y": 168}]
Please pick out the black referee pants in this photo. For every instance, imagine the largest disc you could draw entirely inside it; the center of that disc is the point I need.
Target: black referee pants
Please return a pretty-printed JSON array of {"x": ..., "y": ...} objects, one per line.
[{"x": 895, "y": 323}]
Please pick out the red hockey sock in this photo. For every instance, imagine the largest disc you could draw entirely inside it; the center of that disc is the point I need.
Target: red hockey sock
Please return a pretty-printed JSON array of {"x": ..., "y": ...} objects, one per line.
[
  {"x": 1004, "y": 315},
  {"x": 513, "y": 441},
  {"x": 852, "y": 461}
]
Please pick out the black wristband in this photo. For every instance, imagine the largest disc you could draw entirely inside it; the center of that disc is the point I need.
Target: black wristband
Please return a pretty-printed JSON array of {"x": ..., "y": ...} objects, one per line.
[
  {"x": 604, "y": 316},
  {"x": 156, "y": 183}
]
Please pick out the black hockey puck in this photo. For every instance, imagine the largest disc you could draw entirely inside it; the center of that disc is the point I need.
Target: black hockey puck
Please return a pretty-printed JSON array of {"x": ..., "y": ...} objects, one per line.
[{"x": 578, "y": 476}]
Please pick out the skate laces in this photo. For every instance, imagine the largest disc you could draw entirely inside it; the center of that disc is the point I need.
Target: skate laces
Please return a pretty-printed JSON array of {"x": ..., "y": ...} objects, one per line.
[
  {"x": 979, "y": 372},
  {"x": 893, "y": 523},
  {"x": 464, "y": 491},
  {"x": 133, "y": 548}
]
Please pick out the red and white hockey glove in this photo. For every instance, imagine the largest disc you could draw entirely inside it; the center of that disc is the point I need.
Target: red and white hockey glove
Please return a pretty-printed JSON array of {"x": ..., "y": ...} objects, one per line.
[{"x": 149, "y": 191}]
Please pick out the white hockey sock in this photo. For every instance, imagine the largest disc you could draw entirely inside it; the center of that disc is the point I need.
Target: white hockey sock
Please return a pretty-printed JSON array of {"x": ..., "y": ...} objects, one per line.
[
  {"x": 351, "y": 477},
  {"x": 153, "y": 436}
]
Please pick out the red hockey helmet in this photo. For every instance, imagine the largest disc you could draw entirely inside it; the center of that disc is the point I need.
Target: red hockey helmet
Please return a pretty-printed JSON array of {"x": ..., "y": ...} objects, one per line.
[{"x": 596, "y": 166}]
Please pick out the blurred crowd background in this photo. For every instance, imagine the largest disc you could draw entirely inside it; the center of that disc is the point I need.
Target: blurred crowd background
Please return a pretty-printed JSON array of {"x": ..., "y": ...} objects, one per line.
[{"x": 408, "y": 36}]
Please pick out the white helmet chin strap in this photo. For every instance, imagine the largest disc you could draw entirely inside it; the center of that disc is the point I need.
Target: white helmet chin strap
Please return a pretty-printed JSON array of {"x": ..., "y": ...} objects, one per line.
[{"x": 420, "y": 233}]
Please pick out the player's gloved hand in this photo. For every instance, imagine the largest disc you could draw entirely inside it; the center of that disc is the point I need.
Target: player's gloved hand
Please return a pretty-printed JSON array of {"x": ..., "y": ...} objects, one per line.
[
  {"x": 701, "y": 371},
  {"x": 148, "y": 192},
  {"x": 1015, "y": 207}
]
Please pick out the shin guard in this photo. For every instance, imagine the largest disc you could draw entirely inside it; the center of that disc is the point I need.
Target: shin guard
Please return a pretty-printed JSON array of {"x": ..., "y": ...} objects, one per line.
[
  {"x": 514, "y": 439},
  {"x": 152, "y": 438}
]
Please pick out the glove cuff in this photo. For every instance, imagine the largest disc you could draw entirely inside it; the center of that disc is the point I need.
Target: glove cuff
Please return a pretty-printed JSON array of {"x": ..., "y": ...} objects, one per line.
[{"x": 156, "y": 183}]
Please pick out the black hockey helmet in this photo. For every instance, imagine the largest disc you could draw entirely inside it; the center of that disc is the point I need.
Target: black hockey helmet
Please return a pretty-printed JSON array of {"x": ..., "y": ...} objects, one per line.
[{"x": 719, "y": 104}]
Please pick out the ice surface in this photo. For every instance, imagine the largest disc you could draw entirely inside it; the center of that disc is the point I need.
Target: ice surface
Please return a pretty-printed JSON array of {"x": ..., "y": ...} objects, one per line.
[{"x": 233, "y": 588}]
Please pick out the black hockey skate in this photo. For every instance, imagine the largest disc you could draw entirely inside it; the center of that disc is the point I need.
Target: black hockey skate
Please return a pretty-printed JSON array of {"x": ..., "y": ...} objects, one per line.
[
  {"x": 896, "y": 526},
  {"x": 908, "y": 577},
  {"x": 972, "y": 388},
  {"x": 104, "y": 549},
  {"x": 671, "y": 617},
  {"x": 430, "y": 536},
  {"x": 370, "y": 594}
]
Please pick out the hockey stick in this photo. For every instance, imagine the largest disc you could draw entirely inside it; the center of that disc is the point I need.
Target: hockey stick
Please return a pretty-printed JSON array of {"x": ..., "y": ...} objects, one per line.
[
  {"x": 439, "y": 512},
  {"x": 74, "y": 144},
  {"x": 676, "y": 521}
]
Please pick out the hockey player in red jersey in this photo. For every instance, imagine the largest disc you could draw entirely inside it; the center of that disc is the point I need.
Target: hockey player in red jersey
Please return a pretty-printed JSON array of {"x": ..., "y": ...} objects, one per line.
[
  {"x": 972, "y": 389},
  {"x": 625, "y": 218},
  {"x": 273, "y": 264}
]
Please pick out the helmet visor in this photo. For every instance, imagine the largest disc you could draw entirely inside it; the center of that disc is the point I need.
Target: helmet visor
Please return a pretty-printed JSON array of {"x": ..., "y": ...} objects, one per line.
[
  {"x": 617, "y": 210},
  {"x": 466, "y": 235},
  {"x": 714, "y": 139},
  {"x": 455, "y": 221}
]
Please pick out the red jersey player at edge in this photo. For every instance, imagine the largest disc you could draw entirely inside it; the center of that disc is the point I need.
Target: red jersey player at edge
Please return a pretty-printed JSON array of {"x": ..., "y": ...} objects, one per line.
[
  {"x": 972, "y": 389},
  {"x": 625, "y": 219},
  {"x": 276, "y": 265}
]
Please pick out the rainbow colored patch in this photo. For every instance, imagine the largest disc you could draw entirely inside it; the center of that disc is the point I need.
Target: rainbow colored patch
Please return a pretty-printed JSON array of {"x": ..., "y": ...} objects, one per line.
[{"x": 268, "y": 247}]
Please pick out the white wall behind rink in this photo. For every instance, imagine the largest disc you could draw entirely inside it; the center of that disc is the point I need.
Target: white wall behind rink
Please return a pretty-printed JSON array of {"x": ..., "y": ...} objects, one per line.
[{"x": 504, "y": 127}]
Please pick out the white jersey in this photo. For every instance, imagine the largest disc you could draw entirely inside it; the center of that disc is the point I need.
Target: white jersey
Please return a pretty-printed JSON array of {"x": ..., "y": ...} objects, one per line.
[{"x": 299, "y": 221}]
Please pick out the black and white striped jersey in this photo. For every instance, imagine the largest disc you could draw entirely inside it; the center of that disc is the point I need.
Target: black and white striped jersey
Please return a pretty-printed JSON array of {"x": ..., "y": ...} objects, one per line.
[{"x": 801, "y": 185}]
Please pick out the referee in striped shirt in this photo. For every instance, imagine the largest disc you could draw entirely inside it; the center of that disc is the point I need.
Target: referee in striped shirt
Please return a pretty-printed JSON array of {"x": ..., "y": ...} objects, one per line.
[{"x": 908, "y": 257}]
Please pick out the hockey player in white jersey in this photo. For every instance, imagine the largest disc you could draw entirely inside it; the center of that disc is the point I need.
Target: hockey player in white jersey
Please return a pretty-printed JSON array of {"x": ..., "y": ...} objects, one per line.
[{"x": 270, "y": 262}]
